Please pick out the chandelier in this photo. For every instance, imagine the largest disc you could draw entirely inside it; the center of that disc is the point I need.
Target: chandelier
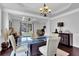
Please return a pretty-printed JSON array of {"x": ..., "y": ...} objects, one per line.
[{"x": 45, "y": 10}]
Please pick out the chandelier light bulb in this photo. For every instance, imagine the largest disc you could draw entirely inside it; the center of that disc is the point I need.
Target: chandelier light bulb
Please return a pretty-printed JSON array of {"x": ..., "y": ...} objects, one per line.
[
  {"x": 41, "y": 9},
  {"x": 49, "y": 10},
  {"x": 46, "y": 7}
]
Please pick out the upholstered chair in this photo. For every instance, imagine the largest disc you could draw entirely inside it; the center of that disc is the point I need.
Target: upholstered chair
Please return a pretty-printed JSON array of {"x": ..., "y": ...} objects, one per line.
[
  {"x": 16, "y": 49},
  {"x": 51, "y": 46}
]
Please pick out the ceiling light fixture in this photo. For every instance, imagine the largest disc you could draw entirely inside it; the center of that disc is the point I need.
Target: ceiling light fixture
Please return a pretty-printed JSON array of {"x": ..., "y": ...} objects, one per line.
[{"x": 45, "y": 10}]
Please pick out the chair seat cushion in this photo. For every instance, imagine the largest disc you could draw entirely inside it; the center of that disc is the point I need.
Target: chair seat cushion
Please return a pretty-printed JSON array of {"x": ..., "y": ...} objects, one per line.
[
  {"x": 21, "y": 48},
  {"x": 20, "y": 51}
]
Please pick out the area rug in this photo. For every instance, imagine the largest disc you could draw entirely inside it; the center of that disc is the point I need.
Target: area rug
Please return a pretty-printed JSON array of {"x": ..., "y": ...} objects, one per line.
[{"x": 62, "y": 53}]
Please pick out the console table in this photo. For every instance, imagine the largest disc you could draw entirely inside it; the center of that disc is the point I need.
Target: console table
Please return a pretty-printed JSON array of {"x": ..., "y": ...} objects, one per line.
[{"x": 66, "y": 39}]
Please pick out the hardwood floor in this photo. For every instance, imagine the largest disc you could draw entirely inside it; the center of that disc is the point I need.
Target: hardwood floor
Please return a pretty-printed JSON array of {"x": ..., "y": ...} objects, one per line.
[
  {"x": 7, "y": 52},
  {"x": 72, "y": 50}
]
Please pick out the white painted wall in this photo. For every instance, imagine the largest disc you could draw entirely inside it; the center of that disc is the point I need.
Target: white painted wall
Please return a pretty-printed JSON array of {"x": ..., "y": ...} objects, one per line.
[
  {"x": 71, "y": 24},
  {"x": 48, "y": 28},
  {"x": 38, "y": 25},
  {"x": 0, "y": 21},
  {"x": 0, "y": 30}
]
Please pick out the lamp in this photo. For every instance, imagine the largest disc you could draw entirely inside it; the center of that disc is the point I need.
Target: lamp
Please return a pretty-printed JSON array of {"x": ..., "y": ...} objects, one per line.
[
  {"x": 60, "y": 24},
  {"x": 45, "y": 10}
]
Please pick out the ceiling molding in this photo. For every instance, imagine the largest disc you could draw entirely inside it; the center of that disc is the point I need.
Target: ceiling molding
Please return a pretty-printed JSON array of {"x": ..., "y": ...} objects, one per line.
[
  {"x": 65, "y": 8},
  {"x": 23, "y": 13},
  {"x": 65, "y": 14}
]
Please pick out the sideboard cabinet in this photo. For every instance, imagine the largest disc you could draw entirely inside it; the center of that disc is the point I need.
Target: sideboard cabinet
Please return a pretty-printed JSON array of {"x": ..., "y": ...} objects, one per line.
[{"x": 66, "y": 39}]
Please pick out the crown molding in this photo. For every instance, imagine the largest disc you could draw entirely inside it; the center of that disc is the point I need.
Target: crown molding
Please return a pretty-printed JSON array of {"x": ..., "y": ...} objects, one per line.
[
  {"x": 65, "y": 8},
  {"x": 66, "y": 14},
  {"x": 23, "y": 13}
]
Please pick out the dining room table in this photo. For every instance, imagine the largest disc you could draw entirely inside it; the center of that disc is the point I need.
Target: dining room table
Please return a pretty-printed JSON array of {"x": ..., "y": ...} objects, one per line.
[{"x": 32, "y": 44}]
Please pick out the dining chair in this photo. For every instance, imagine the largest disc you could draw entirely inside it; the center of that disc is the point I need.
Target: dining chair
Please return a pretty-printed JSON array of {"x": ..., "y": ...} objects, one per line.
[
  {"x": 51, "y": 46},
  {"x": 16, "y": 49}
]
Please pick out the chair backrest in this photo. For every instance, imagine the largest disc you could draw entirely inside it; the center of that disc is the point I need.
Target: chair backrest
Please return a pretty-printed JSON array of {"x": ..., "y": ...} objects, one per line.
[
  {"x": 52, "y": 45},
  {"x": 11, "y": 38}
]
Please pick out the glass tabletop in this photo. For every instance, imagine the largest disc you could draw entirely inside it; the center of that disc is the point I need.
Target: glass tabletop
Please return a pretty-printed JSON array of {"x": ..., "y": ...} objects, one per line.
[{"x": 30, "y": 40}]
